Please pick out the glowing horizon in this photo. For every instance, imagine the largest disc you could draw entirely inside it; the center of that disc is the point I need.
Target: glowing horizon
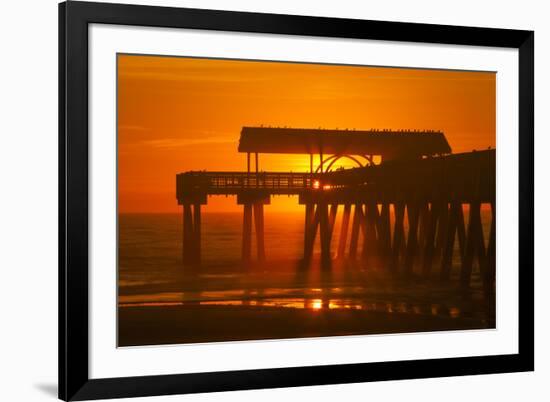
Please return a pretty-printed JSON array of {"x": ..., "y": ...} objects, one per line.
[{"x": 178, "y": 114}]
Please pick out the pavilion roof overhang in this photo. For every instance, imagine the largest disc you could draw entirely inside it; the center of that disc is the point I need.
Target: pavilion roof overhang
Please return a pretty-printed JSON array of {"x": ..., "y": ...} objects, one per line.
[{"x": 389, "y": 144}]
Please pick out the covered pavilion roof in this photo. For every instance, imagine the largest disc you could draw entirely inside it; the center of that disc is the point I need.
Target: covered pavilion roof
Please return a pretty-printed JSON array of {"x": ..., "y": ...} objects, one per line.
[{"x": 390, "y": 144}]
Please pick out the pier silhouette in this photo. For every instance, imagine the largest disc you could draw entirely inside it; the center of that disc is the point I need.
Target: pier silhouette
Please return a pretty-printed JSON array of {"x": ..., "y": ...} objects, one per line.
[{"x": 402, "y": 207}]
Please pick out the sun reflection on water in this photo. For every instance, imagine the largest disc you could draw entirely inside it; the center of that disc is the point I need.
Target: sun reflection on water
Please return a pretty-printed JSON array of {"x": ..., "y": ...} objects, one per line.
[
  {"x": 317, "y": 304},
  {"x": 313, "y": 300}
]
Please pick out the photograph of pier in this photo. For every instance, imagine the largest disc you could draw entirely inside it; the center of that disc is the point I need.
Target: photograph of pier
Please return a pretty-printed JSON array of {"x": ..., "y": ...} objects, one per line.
[{"x": 275, "y": 200}]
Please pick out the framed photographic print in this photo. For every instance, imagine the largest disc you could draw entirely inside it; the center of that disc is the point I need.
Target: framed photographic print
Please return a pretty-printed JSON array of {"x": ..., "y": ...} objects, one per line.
[{"x": 258, "y": 200}]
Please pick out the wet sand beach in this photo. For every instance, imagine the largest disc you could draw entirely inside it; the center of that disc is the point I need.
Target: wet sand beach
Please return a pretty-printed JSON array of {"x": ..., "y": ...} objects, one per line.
[
  {"x": 162, "y": 302},
  {"x": 174, "y": 324}
]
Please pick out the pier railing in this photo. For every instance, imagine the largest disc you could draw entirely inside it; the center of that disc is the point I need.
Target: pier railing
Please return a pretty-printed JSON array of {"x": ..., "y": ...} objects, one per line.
[
  {"x": 231, "y": 183},
  {"x": 458, "y": 176}
]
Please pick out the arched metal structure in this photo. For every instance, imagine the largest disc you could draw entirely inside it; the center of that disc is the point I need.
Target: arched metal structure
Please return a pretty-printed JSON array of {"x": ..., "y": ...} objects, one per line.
[{"x": 333, "y": 158}]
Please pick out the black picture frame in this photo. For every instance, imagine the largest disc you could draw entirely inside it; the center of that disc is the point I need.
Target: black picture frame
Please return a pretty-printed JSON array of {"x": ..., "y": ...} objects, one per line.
[{"x": 74, "y": 381}]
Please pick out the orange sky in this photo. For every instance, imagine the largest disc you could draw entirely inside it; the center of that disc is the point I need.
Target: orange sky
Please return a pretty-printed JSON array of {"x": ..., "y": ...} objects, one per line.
[{"x": 178, "y": 114}]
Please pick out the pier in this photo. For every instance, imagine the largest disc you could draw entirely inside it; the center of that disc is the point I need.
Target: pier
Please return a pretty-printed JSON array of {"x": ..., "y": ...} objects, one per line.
[{"x": 403, "y": 208}]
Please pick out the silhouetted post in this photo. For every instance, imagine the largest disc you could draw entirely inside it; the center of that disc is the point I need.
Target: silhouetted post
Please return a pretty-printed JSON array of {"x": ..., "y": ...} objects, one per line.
[
  {"x": 475, "y": 244},
  {"x": 197, "y": 233},
  {"x": 489, "y": 277},
  {"x": 247, "y": 233},
  {"x": 398, "y": 235},
  {"x": 310, "y": 230},
  {"x": 376, "y": 234},
  {"x": 369, "y": 235},
  {"x": 253, "y": 207},
  {"x": 448, "y": 247},
  {"x": 332, "y": 218},
  {"x": 257, "y": 166},
  {"x": 480, "y": 249},
  {"x": 423, "y": 224},
  {"x": 325, "y": 234},
  {"x": 362, "y": 222},
  {"x": 344, "y": 231},
  {"x": 187, "y": 235},
  {"x": 377, "y": 230},
  {"x": 357, "y": 218},
  {"x": 429, "y": 238},
  {"x": 384, "y": 232},
  {"x": 413, "y": 212},
  {"x": 460, "y": 230},
  {"x": 442, "y": 230},
  {"x": 307, "y": 223},
  {"x": 259, "y": 225},
  {"x": 472, "y": 243}
]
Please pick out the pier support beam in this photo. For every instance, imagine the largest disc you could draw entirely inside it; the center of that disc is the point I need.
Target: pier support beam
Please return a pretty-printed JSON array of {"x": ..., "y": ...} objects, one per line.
[
  {"x": 413, "y": 212},
  {"x": 355, "y": 226},
  {"x": 253, "y": 209},
  {"x": 475, "y": 245},
  {"x": 370, "y": 244},
  {"x": 246, "y": 250},
  {"x": 429, "y": 238},
  {"x": 384, "y": 233},
  {"x": 259, "y": 227},
  {"x": 490, "y": 264},
  {"x": 423, "y": 223},
  {"x": 460, "y": 230},
  {"x": 197, "y": 232},
  {"x": 452, "y": 216},
  {"x": 310, "y": 231},
  {"x": 398, "y": 235},
  {"x": 325, "y": 232},
  {"x": 319, "y": 217},
  {"x": 344, "y": 228},
  {"x": 442, "y": 230},
  {"x": 188, "y": 239},
  {"x": 332, "y": 218},
  {"x": 192, "y": 234}
]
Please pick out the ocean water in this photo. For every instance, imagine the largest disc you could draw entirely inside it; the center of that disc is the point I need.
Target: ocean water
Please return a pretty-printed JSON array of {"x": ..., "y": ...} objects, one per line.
[
  {"x": 150, "y": 245},
  {"x": 150, "y": 270}
]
